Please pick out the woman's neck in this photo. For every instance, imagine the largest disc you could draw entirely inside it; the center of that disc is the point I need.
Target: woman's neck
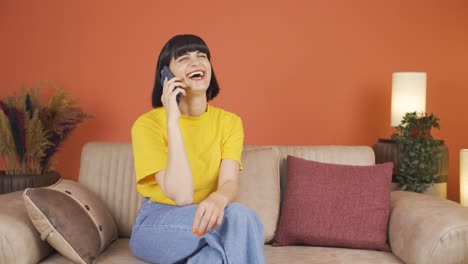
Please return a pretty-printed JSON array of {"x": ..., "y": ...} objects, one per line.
[{"x": 194, "y": 106}]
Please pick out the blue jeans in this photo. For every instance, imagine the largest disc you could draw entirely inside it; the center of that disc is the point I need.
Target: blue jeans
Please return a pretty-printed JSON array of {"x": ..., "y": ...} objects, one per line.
[{"x": 163, "y": 234}]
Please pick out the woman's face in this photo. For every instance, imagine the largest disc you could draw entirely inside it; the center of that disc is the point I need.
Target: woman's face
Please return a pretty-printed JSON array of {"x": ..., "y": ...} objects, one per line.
[{"x": 195, "y": 69}]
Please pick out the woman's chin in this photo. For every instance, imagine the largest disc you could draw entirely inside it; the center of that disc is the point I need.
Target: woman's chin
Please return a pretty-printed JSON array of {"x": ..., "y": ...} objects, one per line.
[{"x": 198, "y": 87}]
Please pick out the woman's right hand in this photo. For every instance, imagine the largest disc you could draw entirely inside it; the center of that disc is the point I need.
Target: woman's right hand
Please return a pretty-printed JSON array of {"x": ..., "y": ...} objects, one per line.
[{"x": 171, "y": 88}]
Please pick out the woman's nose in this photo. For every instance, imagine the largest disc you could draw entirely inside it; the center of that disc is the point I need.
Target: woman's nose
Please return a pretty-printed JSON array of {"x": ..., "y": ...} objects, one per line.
[{"x": 194, "y": 62}]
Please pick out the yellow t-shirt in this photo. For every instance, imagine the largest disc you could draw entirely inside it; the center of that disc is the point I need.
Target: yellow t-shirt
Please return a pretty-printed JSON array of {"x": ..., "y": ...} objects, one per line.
[{"x": 209, "y": 138}]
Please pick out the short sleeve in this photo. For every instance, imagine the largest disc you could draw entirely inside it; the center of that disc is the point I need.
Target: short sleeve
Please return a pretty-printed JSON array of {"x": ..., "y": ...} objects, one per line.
[
  {"x": 233, "y": 141},
  {"x": 149, "y": 150}
]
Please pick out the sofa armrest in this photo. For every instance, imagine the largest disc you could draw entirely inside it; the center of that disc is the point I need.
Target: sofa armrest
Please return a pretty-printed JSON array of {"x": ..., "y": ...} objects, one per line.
[
  {"x": 427, "y": 229},
  {"x": 19, "y": 240}
]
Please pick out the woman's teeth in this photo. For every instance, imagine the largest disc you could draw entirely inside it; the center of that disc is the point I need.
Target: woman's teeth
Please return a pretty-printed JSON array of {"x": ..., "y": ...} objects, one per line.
[{"x": 196, "y": 74}]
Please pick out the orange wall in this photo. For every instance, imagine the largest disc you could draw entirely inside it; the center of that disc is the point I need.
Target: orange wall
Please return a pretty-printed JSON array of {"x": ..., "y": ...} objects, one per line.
[{"x": 297, "y": 72}]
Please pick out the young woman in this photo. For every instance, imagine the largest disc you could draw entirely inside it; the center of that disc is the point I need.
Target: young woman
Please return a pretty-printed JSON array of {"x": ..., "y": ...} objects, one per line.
[{"x": 187, "y": 162}]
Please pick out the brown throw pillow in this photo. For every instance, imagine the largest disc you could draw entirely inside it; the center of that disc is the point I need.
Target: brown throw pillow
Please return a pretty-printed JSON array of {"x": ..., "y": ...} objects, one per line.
[
  {"x": 335, "y": 205},
  {"x": 71, "y": 219}
]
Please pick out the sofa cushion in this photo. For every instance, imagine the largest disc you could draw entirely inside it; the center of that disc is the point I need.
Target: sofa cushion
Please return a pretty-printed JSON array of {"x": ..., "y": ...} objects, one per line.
[
  {"x": 335, "y": 205},
  {"x": 319, "y": 255},
  {"x": 117, "y": 253},
  {"x": 260, "y": 186},
  {"x": 17, "y": 233},
  {"x": 71, "y": 219}
]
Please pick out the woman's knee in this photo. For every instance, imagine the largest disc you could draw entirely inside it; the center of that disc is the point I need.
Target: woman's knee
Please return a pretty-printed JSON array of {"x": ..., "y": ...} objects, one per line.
[{"x": 239, "y": 211}]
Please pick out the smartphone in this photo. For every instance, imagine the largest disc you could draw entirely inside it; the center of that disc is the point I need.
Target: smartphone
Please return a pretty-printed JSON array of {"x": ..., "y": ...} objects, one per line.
[{"x": 167, "y": 73}]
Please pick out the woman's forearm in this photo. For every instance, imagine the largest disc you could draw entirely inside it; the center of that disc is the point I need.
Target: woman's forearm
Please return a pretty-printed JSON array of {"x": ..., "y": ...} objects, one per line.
[
  {"x": 228, "y": 182},
  {"x": 177, "y": 180},
  {"x": 228, "y": 190}
]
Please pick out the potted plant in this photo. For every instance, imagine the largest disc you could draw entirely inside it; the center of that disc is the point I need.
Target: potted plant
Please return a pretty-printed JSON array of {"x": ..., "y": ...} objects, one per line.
[
  {"x": 418, "y": 150},
  {"x": 31, "y": 133}
]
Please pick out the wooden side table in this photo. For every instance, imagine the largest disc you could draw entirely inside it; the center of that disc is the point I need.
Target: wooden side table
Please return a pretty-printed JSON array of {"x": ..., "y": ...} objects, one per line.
[{"x": 386, "y": 150}]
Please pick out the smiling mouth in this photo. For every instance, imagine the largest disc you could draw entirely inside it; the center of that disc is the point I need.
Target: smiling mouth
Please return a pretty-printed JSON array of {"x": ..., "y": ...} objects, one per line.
[{"x": 196, "y": 75}]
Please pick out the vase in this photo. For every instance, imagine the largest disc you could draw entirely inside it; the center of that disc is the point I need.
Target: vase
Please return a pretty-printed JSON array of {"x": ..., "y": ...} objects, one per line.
[{"x": 18, "y": 182}]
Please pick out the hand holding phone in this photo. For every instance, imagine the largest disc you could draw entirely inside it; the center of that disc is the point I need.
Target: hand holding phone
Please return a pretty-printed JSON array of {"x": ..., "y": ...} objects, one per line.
[{"x": 167, "y": 73}]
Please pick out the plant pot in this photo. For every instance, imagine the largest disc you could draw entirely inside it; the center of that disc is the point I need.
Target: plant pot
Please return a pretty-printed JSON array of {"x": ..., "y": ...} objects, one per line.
[
  {"x": 13, "y": 183},
  {"x": 387, "y": 150}
]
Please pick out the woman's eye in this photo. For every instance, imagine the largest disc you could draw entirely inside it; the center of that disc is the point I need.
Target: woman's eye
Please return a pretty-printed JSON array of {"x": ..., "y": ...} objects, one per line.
[{"x": 202, "y": 55}]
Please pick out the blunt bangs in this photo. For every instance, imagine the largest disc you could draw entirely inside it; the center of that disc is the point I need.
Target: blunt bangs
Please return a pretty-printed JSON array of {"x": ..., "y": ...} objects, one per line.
[
  {"x": 190, "y": 47},
  {"x": 181, "y": 44}
]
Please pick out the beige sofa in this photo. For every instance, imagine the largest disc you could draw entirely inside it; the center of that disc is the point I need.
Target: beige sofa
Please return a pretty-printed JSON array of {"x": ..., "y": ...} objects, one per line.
[{"x": 422, "y": 228}]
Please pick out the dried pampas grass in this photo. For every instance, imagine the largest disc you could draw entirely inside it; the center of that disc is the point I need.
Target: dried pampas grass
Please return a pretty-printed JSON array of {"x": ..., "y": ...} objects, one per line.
[{"x": 31, "y": 133}]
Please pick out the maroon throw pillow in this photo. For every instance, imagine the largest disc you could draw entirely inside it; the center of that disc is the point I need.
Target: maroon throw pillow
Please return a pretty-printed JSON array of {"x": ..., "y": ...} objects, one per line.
[{"x": 335, "y": 205}]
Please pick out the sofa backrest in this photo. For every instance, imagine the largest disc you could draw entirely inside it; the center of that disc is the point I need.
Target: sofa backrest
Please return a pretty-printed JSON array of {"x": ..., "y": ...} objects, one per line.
[
  {"x": 107, "y": 170},
  {"x": 346, "y": 155}
]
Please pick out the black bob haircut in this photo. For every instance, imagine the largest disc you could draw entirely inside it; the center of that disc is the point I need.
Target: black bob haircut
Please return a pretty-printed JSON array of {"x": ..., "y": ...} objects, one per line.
[{"x": 174, "y": 48}]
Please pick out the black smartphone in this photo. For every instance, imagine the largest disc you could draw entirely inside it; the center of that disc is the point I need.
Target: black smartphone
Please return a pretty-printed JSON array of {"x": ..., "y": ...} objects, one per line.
[{"x": 167, "y": 73}]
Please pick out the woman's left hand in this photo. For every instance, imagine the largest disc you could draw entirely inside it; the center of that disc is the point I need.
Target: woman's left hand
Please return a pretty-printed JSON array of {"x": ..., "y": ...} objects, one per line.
[{"x": 209, "y": 214}]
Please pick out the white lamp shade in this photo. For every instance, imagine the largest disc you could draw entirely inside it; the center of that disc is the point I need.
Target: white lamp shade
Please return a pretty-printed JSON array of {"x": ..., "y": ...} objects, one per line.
[
  {"x": 408, "y": 94},
  {"x": 464, "y": 177}
]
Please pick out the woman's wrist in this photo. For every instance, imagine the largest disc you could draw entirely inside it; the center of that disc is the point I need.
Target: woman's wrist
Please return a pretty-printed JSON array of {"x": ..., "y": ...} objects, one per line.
[
  {"x": 172, "y": 122},
  {"x": 221, "y": 198}
]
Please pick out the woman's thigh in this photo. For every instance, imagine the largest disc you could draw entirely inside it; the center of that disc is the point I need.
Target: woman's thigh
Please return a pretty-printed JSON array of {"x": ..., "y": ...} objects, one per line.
[{"x": 163, "y": 233}]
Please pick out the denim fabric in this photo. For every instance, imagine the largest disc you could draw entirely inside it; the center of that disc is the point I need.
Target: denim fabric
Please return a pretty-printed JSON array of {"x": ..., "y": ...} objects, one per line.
[{"x": 163, "y": 234}]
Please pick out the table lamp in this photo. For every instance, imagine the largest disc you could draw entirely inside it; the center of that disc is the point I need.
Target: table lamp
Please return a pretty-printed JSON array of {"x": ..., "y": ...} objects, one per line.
[
  {"x": 464, "y": 177},
  {"x": 408, "y": 94}
]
